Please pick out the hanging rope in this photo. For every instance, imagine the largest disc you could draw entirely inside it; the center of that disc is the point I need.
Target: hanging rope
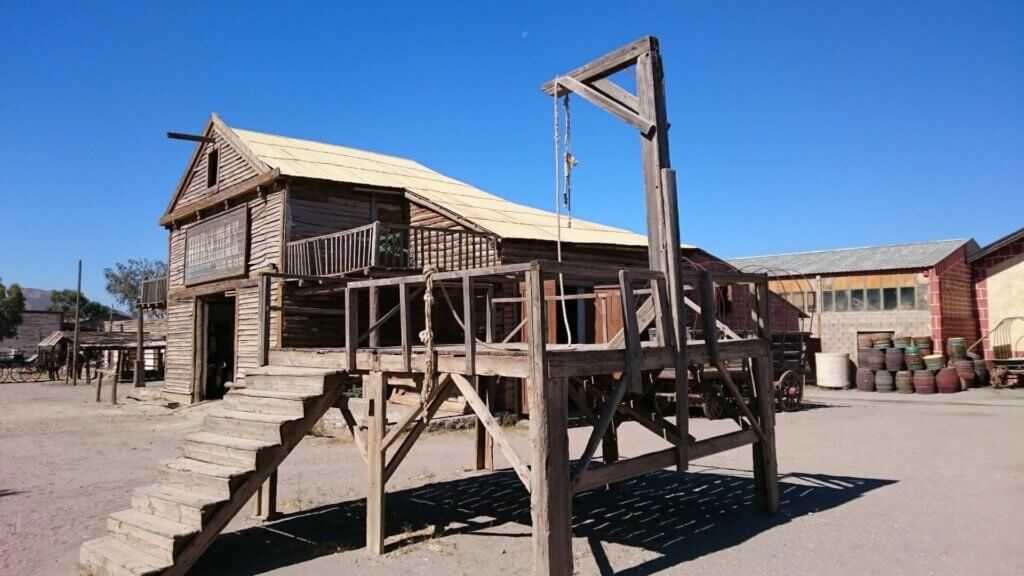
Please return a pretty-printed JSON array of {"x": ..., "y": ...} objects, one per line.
[
  {"x": 427, "y": 338},
  {"x": 564, "y": 163}
]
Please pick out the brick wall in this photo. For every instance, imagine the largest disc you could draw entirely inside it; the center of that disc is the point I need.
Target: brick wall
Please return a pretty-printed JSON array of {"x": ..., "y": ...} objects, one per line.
[
  {"x": 951, "y": 300},
  {"x": 998, "y": 288}
]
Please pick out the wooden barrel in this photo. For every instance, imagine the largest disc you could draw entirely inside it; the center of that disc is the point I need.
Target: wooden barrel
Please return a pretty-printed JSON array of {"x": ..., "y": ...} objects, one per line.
[
  {"x": 884, "y": 381},
  {"x": 981, "y": 373},
  {"x": 956, "y": 348},
  {"x": 902, "y": 341},
  {"x": 934, "y": 361},
  {"x": 882, "y": 340},
  {"x": 965, "y": 370},
  {"x": 924, "y": 382},
  {"x": 923, "y": 341},
  {"x": 913, "y": 360},
  {"x": 863, "y": 355},
  {"x": 876, "y": 359},
  {"x": 905, "y": 382},
  {"x": 865, "y": 380},
  {"x": 893, "y": 359},
  {"x": 947, "y": 381},
  {"x": 865, "y": 341},
  {"x": 924, "y": 351}
]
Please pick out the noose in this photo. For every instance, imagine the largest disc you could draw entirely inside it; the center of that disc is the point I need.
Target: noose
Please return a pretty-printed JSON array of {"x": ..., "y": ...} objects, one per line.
[
  {"x": 427, "y": 338},
  {"x": 562, "y": 196}
]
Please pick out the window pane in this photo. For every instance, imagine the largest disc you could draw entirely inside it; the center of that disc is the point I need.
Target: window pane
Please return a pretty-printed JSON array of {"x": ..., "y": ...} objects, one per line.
[
  {"x": 797, "y": 299},
  {"x": 826, "y": 301},
  {"x": 907, "y": 298},
  {"x": 842, "y": 300},
  {"x": 922, "y": 297},
  {"x": 810, "y": 301},
  {"x": 874, "y": 299},
  {"x": 889, "y": 298},
  {"x": 856, "y": 300}
]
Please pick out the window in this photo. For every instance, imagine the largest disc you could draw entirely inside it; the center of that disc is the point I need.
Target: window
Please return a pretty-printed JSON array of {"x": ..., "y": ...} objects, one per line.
[
  {"x": 907, "y": 298},
  {"x": 922, "y": 297},
  {"x": 842, "y": 300},
  {"x": 874, "y": 299},
  {"x": 211, "y": 168},
  {"x": 810, "y": 302},
  {"x": 826, "y": 301},
  {"x": 889, "y": 298},
  {"x": 856, "y": 300}
]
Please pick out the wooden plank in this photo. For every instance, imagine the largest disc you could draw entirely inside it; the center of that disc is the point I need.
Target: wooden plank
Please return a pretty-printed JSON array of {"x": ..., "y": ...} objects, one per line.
[
  {"x": 374, "y": 313},
  {"x": 403, "y": 304},
  {"x": 435, "y": 404},
  {"x": 632, "y": 335},
  {"x": 484, "y": 416},
  {"x": 415, "y": 409},
  {"x": 217, "y": 200},
  {"x": 351, "y": 327},
  {"x": 766, "y": 468},
  {"x": 265, "y": 502},
  {"x": 601, "y": 100},
  {"x": 608, "y": 64},
  {"x": 376, "y": 384},
  {"x": 608, "y": 410},
  {"x": 617, "y": 93}
]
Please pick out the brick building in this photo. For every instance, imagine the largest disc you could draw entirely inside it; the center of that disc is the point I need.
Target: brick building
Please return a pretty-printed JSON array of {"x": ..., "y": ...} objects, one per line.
[
  {"x": 915, "y": 289},
  {"x": 998, "y": 274}
]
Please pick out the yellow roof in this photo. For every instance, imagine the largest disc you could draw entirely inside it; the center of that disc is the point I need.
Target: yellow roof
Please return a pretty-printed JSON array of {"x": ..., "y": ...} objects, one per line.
[{"x": 307, "y": 159}]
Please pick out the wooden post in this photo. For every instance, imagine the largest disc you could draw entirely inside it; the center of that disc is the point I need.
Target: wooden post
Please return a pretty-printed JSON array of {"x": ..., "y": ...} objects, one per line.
[
  {"x": 469, "y": 325},
  {"x": 117, "y": 374},
  {"x": 766, "y": 468},
  {"x": 265, "y": 502},
  {"x": 376, "y": 416},
  {"x": 74, "y": 352},
  {"x": 264, "y": 320},
  {"x": 374, "y": 315},
  {"x": 484, "y": 443},
  {"x": 351, "y": 327},
  {"x": 550, "y": 490},
  {"x": 403, "y": 313},
  {"x": 140, "y": 353}
]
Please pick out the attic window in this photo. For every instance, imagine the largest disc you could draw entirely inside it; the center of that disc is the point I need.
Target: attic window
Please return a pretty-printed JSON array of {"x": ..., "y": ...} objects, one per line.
[{"x": 211, "y": 169}]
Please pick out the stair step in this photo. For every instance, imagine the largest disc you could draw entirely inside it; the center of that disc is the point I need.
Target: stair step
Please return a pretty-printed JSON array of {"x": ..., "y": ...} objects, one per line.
[
  {"x": 155, "y": 536},
  {"x": 268, "y": 401},
  {"x": 109, "y": 556},
  {"x": 210, "y": 479},
  {"x": 247, "y": 424},
  {"x": 176, "y": 504},
  {"x": 292, "y": 379},
  {"x": 226, "y": 450}
]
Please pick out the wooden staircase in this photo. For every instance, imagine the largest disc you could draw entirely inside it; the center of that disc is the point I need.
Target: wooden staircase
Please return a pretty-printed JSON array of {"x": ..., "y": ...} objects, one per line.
[{"x": 171, "y": 523}]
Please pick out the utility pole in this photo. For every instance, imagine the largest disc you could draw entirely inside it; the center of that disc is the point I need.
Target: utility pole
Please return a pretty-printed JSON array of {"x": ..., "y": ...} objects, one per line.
[{"x": 74, "y": 346}]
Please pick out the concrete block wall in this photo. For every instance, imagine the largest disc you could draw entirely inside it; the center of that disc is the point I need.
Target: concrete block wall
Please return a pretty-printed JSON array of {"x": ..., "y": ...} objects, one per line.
[{"x": 839, "y": 330}]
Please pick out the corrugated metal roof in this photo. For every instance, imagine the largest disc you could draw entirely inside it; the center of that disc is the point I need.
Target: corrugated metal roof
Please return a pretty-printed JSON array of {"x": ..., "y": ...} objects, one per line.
[
  {"x": 993, "y": 247},
  {"x": 891, "y": 257},
  {"x": 308, "y": 159}
]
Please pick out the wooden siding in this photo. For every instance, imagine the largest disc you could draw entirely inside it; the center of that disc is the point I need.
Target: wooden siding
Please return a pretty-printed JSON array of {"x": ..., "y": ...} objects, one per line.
[
  {"x": 232, "y": 168},
  {"x": 266, "y": 218},
  {"x": 179, "y": 361},
  {"x": 450, "y": 252}
]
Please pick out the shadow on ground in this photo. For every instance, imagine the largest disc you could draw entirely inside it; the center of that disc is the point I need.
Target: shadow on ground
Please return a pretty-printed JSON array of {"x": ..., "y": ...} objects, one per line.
[{"x": 679, "y": 516}]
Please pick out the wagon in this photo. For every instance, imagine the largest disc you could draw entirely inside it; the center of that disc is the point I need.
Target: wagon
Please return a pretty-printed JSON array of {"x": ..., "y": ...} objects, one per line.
[{"x": 15, "y": 367}]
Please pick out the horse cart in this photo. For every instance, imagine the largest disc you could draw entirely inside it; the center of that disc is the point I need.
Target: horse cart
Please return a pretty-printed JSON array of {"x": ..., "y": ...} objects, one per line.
[{"x": 16, "y": 367}]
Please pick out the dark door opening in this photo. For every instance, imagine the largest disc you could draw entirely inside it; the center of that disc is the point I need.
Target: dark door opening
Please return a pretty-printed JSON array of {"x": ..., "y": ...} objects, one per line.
[{"x": 219, "y": 361}]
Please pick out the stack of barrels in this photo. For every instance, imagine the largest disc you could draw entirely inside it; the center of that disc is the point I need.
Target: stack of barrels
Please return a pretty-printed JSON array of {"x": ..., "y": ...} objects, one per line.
[{"x": 907, "y": 365}]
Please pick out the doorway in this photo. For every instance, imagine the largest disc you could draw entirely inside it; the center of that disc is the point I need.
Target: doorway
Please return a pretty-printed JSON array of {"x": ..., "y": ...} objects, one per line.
[{"x": 218, "y": 345}]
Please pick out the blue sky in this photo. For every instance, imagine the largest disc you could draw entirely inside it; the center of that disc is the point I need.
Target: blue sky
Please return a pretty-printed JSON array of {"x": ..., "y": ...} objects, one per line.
[{"x": 795, "y": 126}]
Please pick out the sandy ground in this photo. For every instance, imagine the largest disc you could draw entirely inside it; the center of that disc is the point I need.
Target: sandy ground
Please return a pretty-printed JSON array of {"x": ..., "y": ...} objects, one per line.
[{"x": 872, "y": 484}]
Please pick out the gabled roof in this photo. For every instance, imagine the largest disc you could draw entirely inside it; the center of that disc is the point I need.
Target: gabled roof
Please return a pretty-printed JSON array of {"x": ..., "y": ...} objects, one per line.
[
  {"x": 872, "y": 258},
  {"x": 309, "y": 159},
  {"x": 995, "y": 246}
]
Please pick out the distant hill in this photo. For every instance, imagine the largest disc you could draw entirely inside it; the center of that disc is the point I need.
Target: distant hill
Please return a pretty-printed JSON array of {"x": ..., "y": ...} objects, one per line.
[{"x": 36, "y": 299}]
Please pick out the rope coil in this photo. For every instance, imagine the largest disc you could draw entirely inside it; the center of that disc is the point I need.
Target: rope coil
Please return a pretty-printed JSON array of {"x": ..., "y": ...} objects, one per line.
[{"x": 427, "y": 338}]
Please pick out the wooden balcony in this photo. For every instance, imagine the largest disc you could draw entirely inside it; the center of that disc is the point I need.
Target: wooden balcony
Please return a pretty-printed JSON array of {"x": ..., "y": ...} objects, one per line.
[
  {"x": 154, "y": 293},
  {"x": 391, "y": 246}
]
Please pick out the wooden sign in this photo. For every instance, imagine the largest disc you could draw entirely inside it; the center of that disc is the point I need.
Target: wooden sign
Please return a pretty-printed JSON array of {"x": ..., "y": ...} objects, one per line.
[{"x": 216, "y": 248}]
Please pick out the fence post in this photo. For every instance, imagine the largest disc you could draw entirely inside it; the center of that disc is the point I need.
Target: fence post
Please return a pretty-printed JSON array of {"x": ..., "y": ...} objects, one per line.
[{"x": 375, "y": 244}]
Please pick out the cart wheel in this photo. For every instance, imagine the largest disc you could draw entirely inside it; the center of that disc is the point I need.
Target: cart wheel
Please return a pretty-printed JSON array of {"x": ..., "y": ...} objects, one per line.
[
  {"x": 789, "y": 391},
  {"x": 5, "y": 374},
  {"x": 713, "y": 403},
  {"x": 36, "y": 374},
  {"x": 17, "y": 374}
]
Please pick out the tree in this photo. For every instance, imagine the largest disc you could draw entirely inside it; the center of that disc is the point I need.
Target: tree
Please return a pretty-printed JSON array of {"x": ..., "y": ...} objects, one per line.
[
  {"x": 124, "y": 281},
  {"x": 12, "y": 302},
  {"x": 64, "y": 301}
]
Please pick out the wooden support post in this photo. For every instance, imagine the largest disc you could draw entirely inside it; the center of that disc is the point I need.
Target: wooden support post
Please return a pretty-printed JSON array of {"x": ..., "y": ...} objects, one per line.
[
  {"x": 766, "y": 468},
  {"x": 265, "y": 502},
  {"x": 374, "y": 313},
  {"x": 489, "y": 314},
  {"x": 99, "y": 384},
  {"x": 469, "y": 325},
  {"x": 74, "y": 343},
  {"x": 264, "y": 320},
  {"x": 351, "y": 327},
  {"x": 376, "y": 416},
  {"x": 117, "y": 374},
  {"x": 140, "y": 352},
  {"x": 403, "y": 313},
  {"x": 550, "y": 490},
  {"x": 484, "y": 443},
  {"x": 631, "y": 332}
]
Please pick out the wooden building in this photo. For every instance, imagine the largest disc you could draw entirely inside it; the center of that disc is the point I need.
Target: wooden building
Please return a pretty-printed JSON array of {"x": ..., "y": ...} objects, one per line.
[{"x": 250, "y": 202}]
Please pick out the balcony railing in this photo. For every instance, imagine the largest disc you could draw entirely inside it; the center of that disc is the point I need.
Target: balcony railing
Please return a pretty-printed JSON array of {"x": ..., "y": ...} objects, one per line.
[
  {"x": 390, "y": 246},
  {"x": 154, "y": 293}
]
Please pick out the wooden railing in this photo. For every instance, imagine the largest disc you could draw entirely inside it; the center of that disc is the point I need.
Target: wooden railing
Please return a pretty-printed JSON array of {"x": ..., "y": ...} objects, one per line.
[
  {"x": 154, "y": 292},
  {"x": 391, "y": 246}
]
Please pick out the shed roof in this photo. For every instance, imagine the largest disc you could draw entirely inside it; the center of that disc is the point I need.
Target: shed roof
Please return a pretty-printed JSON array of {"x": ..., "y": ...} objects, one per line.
[
  {"x": 309, "y": 159},
  {"x": 871, "y": 258},
  {"x": 995, "y": 246}
]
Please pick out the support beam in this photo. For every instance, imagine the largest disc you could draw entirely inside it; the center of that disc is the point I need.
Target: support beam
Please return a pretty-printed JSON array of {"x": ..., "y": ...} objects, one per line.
[
  {"x": 376, "y": 413},
  {"x": 421, "y": 425},
  {"x": 469, "y": 324},
  {"x": 609, "y": 105},
  {"x": 265, "y": 502},
  {"x": 403, "y": 304},
  {"x": 631, "y": 330},
  {"x": 494, "y": 429},
  {"x": 551, "y": 492},
  {"x": 140, "y": 352},
  {"x": 374, "y": 313},
  {"x": 484, "y": 442},
  {"x": 766, "y": 467},
  {"x": 351, "y": 327},
  {"x": 608, "y": 64}
]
